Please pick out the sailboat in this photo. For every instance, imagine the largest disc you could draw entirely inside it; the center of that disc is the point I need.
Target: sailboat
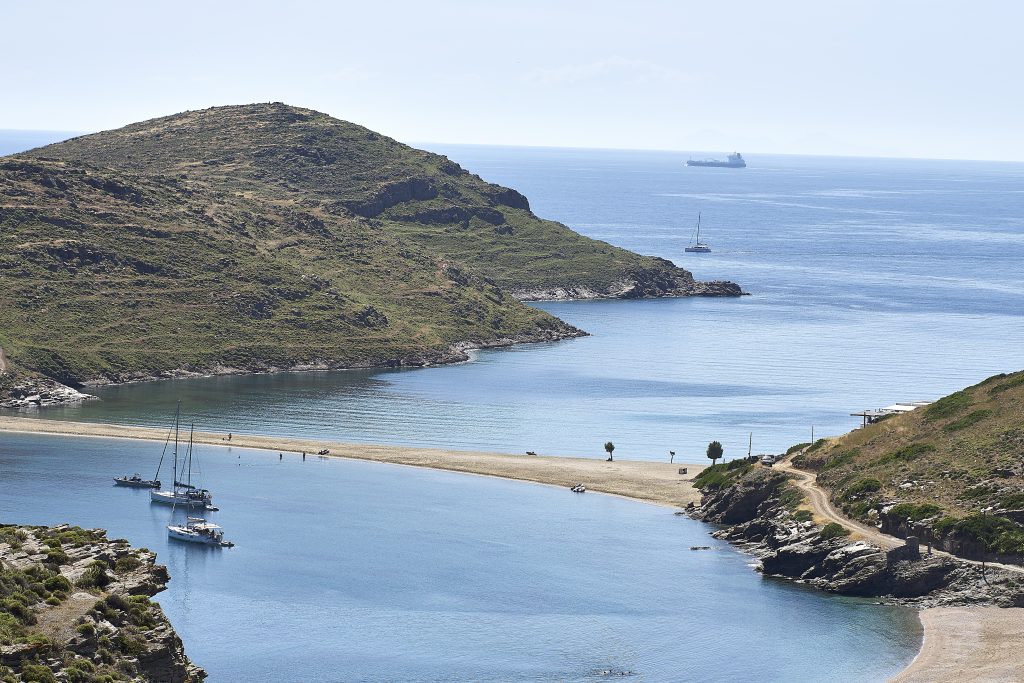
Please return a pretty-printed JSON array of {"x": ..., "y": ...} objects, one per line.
[
  {"x": 136, "y": 480},
  {"x": 698, "y": 247},
  {"x": 184, "y": 493},
  {"x": 198, "y": 530}
]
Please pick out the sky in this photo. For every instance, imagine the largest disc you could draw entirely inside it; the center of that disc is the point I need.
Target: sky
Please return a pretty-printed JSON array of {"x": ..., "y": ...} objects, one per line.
[{"x": 905, "y": 78}]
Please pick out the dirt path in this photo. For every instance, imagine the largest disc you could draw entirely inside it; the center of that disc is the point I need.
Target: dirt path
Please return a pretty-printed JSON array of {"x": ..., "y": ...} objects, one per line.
[
  {"x": 652, "y": 482},
  {"x": 822, "y": 507}
]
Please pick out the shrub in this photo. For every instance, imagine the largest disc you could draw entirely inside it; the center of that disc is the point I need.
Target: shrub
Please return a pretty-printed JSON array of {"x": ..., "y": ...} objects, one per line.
[
  {"x": 56, "y": 556},
  {"x": 907, "y": 453},
  {"x": 1000, "y": 388},
  {"x": 861, "y": 487},
  {"x": 95, "y": 576},
  {"x": 803, "y": 515},
  {"x": 967, "y": 420},
  {"x": 1012, "y": 501},
  {"x": 37, "y": 673},
  {"x": 797, "y": 447},
  {"x": 948, "y": 406},
  {"x": 915, "y": 511},
  {"x": 126, "y": 563},
  {"x": 816, "y": 445},
  {"x": 995, "y": 533},
  {"x": 57, "y": 583},
  {"x": 841, "y": 458},
  {"x": 833, "y": 530}
]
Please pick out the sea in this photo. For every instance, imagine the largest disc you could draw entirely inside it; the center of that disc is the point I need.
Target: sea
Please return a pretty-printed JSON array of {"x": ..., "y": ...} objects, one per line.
[{"x": 871, "y": 281}]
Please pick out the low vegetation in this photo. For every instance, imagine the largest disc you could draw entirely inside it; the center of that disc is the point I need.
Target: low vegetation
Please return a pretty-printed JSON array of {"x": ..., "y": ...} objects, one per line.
[{"x": 956, "y": 467}]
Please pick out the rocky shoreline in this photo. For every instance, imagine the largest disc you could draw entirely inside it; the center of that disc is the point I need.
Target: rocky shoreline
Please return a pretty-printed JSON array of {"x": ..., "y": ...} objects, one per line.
[
  {"x": 763, "y": 517},
  {"x": 75, "y": 607},
  {"x": 34, "y": 391}
]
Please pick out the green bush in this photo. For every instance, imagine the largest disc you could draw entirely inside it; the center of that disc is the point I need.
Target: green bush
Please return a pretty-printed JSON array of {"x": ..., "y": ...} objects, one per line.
[
  {"x": 126, "y": 563},
  {"x": 816, "y": 445},
  {"x": 797, "y": 447},
  {"x": 948, "y": 406},
  {"x": 861, "y": 487},
  {"x": 1000, "y": 388},
  {"x": 967, "y": 420},
  {"x": 907, "y": 453},
  {"x": 37, "y": 673},
  {"x": 57, "y": 582},
  {"x": 833, "y": 530},
  {"x": 915, "y": 511},
  {"x": 841, "y": 458},
  {"x": 1012, "y": 501},
  {"x": 803, "y": 515},
  {"x": 95, "y": 576}
]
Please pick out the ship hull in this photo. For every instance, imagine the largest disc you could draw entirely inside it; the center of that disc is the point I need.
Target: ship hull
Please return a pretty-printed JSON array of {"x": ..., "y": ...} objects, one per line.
[{"x": 718, "y": 164}]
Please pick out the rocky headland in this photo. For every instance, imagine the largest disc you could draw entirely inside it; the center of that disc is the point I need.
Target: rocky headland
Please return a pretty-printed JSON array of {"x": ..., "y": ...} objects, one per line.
[
  {"x": 762, "y": 513},
  {"x": 75, "y": 606}
]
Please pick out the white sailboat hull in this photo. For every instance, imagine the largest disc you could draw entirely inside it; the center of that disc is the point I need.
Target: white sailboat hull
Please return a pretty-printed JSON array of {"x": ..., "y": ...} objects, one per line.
[
  {"x": 180, "y": 533},
  {"x": 173, "y": 498}
]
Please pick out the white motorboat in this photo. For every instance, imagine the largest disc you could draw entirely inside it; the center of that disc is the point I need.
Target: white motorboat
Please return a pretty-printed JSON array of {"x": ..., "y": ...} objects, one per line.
[{"x": 198, "y": 530}]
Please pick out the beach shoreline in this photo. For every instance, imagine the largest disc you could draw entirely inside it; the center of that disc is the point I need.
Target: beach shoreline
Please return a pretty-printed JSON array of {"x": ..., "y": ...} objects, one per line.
[
  {"x": 968, "y": 645},
  {"x": 647, "y": 481},
  {"x": 989, "y": 656}
]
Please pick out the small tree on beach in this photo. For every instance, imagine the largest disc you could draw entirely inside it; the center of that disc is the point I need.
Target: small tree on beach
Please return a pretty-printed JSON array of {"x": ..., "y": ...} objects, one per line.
[
  {"x": 609, "y": 446},
  {"x": 714, "y": 451}
]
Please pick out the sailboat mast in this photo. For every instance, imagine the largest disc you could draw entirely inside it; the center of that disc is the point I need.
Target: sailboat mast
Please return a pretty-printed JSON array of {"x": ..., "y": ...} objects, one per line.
[
  {"x": 190, "y": 432},
  {"x": 698, "y": 227},
  {"x": 174, "y": 476}
]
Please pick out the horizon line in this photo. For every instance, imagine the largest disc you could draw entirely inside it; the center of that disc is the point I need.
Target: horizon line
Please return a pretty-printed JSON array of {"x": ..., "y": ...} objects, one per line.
[{"x": 415, "y": 143}]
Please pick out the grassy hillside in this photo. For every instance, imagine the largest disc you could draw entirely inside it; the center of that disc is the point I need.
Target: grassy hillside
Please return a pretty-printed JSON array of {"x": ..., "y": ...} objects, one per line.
[
  {"x": 267, "y": 236},
  {"x": 302, "y": 158},
  {"x": 107, "y": 274},
  {"x": 943, "y": 464}
]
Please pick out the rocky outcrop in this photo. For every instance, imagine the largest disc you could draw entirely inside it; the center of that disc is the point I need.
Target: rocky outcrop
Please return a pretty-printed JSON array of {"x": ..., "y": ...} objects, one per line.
[
  {"x": 763, "y": 520},
  {"x": 36, "y": 392},
  {"x": 77, "y": 608}
]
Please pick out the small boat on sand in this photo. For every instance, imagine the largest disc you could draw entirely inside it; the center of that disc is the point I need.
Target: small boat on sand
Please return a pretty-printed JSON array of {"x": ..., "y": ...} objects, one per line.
[{"x": 198, "y": 530}]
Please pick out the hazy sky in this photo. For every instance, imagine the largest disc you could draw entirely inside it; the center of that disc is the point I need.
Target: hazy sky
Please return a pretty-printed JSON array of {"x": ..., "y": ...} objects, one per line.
[{"x": 888, "y": 78}]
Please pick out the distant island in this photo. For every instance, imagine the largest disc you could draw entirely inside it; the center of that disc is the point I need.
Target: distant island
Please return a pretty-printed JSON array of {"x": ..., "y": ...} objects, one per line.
[{"x": 268, "y": 237}]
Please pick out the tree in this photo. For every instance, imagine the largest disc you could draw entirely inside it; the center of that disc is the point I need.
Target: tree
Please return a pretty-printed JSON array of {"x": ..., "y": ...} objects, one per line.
[
  {"x": 609, "y": 446},
  {"x": 714, "y": 451}
]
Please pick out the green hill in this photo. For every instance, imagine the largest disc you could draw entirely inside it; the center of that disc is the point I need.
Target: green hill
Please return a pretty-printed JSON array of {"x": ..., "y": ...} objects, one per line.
[
  {"x": 954, "y": 469},
  {"x": 266, "y": 236}
]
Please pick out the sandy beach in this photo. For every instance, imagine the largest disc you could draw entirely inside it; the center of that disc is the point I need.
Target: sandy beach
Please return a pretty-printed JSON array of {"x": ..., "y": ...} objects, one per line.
[
  {"x": 979, "y": 644},
  {"x": 652, "y": 482},
  {"x": 969, "y": 645}
]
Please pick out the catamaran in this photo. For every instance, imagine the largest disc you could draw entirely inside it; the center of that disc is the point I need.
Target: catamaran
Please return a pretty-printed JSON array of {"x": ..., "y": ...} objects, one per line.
[
  {"x": 136, "y": 480},
  {"x": 698, "y": 247},
  {"x": 198, "y": 530},
  {"x": 184, "y": 493}
]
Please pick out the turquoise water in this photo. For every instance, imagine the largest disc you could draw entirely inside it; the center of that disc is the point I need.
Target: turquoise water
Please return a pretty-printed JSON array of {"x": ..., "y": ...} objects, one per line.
[
  {"x": 352, "y": 571},
  {"x": 872, "y": 281}
]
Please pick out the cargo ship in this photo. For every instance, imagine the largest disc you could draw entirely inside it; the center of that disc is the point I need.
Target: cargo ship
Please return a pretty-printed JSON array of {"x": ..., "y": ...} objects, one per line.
[{"x": 735, "y": 161}]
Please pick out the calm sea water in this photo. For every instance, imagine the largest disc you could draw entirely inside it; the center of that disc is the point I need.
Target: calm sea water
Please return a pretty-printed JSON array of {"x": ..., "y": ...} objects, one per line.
[
  {"x": 872, "y": 281},
  {"x": 350, "y": 571}
]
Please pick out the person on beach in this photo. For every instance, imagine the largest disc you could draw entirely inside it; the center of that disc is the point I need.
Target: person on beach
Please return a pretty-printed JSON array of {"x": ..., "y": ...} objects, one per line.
[{"x": 229, "y": 436}]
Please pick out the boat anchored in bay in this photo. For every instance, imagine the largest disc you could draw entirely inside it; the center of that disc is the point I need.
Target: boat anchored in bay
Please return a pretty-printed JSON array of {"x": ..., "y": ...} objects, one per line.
[
  {"x": 136, "y": 481},
  {"x": 198, "y": 530},
  {"x": 698, "y": 246},
  {"x": 184, "y": 493}
]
